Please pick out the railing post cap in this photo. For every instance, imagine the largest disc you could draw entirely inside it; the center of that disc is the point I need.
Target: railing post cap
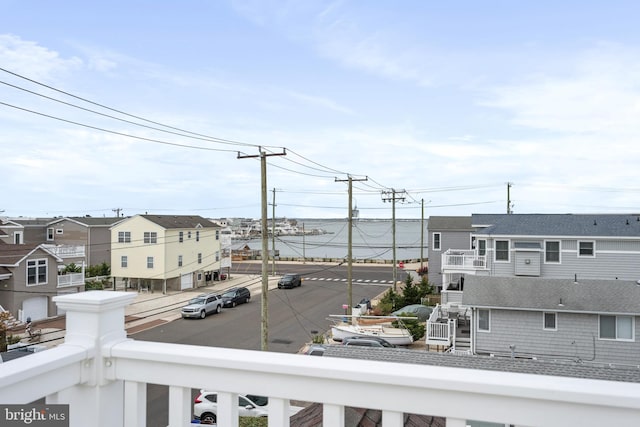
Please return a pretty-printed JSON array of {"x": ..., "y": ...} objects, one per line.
[{"x": 94, "y": 301}]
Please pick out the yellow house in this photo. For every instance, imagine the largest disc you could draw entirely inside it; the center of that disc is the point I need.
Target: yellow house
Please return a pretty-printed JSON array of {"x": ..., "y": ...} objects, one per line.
[{"x": 165, "y": 251}]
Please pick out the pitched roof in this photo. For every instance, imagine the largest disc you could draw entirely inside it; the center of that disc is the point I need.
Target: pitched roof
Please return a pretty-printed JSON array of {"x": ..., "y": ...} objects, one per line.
[
  {"x": 180, "y": 221},
  {"x": 529, "y": 293},
  {"x": 462, "y": 223},
  {"x": 32, "y": 222},
  {"x": 585, "y": 225},
  {"x": 91, "y": 221},
  {"x": 523, "y": 366},
  {"x": 11, "y": 255}
]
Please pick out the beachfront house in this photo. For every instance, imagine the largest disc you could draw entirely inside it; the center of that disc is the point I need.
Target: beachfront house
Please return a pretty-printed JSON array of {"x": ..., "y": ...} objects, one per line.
[
  {"x": 161, "y": 252},
  {"x": 588, "y": 321}
]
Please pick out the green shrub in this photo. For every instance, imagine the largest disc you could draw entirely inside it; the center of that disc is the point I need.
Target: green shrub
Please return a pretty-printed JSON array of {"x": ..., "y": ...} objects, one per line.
[
  {"x": 253, "y": 422},
  {"x": 417, "y": 329}
]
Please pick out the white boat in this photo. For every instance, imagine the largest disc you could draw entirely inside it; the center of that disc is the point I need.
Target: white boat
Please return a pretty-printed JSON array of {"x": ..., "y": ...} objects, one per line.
[{"x": 371, "y": 326}]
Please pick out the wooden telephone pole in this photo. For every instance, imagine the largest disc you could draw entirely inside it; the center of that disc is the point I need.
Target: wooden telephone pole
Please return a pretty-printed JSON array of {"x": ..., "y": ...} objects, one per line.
[
  {"x": 350, "y": 242},
  {"x": 392, "y": 196},
  {"x": 265, "y": 244}
]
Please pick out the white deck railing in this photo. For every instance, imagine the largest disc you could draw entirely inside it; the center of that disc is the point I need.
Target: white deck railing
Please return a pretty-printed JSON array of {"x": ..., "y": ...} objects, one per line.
[
  {"x": 66, "y": 251},
  {"x": 467, "y": 260},
  {"x": 102, "y": 375},
  {"x": 70, "y": 279}
]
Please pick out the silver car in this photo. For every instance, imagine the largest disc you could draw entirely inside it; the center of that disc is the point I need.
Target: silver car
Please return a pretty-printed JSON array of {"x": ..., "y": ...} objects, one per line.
[{"x": 202, "y": 305}]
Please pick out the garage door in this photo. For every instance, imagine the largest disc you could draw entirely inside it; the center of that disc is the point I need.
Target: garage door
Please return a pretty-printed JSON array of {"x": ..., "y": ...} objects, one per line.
[
  {"x": 186, "y": 281},
  {"x": 35, "y": 307}
]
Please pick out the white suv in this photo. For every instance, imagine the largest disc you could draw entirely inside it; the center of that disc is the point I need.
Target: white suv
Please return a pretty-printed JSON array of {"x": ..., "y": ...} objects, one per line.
[
  {"x": 202, "y": 305},
  {"x": 205, "y": 406}
]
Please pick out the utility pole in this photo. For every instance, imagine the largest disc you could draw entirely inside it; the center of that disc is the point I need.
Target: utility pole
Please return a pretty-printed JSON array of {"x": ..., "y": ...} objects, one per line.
[
  {"x": 264, "y": 330},
  {"x": 273, "y": 234},
  {"x": 422, "y": 239},
  {"x": 117, "y": 211},
  {"x": 392, "y": 199},
  {"x": 350, "y": 242},
  {"x": 509, "y": 211}
]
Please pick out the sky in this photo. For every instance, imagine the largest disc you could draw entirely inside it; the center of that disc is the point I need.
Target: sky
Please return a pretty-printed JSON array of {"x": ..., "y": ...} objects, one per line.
[{"x": 448, "y": 108}]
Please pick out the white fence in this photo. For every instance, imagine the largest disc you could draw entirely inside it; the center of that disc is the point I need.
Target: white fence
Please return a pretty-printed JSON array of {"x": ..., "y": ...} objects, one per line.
[
  {"x": 103, "y": 375},
  {"x": 463, "y": 260}
]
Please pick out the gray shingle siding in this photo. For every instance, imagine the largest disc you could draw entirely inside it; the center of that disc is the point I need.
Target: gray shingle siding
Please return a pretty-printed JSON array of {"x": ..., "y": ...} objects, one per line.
[{"x": 576, "y": 338}]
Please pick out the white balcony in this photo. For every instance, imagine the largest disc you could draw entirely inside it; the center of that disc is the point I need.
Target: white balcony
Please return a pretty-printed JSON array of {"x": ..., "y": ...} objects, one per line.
[
  {"x": 70, "y": 279},
  {"x": 66, "y": 251},
  {"x": 102, "y": 375},
  {"x": 463, "y": 261}
]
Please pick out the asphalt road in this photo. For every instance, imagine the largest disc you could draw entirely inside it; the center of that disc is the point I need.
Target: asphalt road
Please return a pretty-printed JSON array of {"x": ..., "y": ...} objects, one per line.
[{"x": 295, "y": 315}]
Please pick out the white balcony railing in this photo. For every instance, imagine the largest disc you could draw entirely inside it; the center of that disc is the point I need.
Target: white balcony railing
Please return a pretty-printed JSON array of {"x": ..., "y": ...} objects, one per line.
[
  {"x": 465, "y": 260},
  {"x": 102, "y": 375},
  {"x": 66, "y": 251},
  {"x": 70, "y": 279}
]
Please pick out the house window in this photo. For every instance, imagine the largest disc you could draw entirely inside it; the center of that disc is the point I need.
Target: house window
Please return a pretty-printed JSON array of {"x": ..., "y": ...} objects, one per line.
[
  {"x": 552, "y": 251},
  {"x": 217, "y": 234},
  {"x": 199, "y": 258},
  {"x": 482, "y": 247},
  {"x": 586, "y": 248},
  {"x": 59, "y": 231},
  {"x": 149, "y": 262},
  {"x": 502, "y": 250},
  {"x": 124, "y": 261},
  {"x": 616, "y": 328},
  {"x": 188, "y": 234},
  {"x": 197, "y": 236},
  {"x": 181, "y": 236},
  {"x": 484, "y": 317},
  {"x": 49, "y": 234},
  {"x": 199, "y": 277},
  {"x": 17, "y": 238},
  {"x": 36, "y": 272},
  {"x": 217, "y": 255},
  {"x": 150, "y": 237},
  {"x": 436, "y": 241},
  {"x": 549, "y": 321},
  {"x": 179, "y": 260},
  {"x": 124, "y": 237}
]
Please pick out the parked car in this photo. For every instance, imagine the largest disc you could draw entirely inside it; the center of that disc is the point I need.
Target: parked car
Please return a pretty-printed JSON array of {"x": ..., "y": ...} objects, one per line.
[
  {"x": 422, "y": 312},
  {"x": 202, "y": 305},
  {"x": 235, "y": 296},
  {"x": 205, "y": 406},
  {"x": 290, "y": 281},
  {"x": 367, "y": 342}
]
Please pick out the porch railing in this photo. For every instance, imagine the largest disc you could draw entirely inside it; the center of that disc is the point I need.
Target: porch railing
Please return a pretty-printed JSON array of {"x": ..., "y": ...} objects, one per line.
[
  {"x": 70, "y": 279},
  {"x": 463, "y": 260},
  {"x": 66, "y": 251},
  {"x": 103, "y": 376}
]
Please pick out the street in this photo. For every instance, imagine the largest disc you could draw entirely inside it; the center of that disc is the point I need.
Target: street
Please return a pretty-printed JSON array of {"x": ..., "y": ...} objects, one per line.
[{"x": 295, "y": 316}]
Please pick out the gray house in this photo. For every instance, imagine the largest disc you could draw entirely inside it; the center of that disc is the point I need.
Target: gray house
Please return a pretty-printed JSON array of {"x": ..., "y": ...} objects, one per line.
[
  {"x": 550, "y": 246},
  {"x": 29, "y": 280},
  {"x": 446, "y": 233},
  {"x": 584, "y": 320}
]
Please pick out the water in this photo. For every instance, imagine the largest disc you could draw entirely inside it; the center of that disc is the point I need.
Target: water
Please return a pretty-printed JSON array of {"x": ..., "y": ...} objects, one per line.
[{"x": 372, "y": 239}]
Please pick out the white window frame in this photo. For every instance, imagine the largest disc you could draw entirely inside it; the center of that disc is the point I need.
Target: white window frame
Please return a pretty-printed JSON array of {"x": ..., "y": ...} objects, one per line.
[
  {"x": 179, "y": 260},
  {"x": 437, "y": 243},
  {"x": 188, "y": 234},
  {"x": 217, "y": 234},
  {"x": 559, "y": 242},
  {"x": 199, "y": 257},
  {"x": 593, "y": 249},
  {"x": 50, "y": 234},
  {"x": 37, "y": 264},
  {"x": 18, "y": 237},
  {"x": 199, "y": 277},
  {"x": 217, "y": 255},
  {"x": 488, "y": 311},
  {"x": 124, "y": 261},
  {"x": 495, "y": 251},
  {"x": 149, "y": 262},
  {"x": 59, "y": 230},
  {"x": 631, "y": 319},
  {"x": 124, "y": 237},
  {"x": 180, "y": 236},
  {"x": 150, "y": 237},
  {"x": 544, "y": 321},
  {"x": 197, "y": 236}
]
